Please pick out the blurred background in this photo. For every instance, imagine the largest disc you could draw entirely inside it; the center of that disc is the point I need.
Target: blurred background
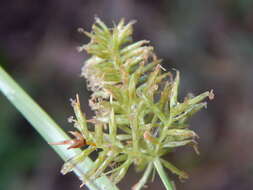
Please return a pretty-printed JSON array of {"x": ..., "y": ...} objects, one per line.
[{"x": 210, "y": 42}]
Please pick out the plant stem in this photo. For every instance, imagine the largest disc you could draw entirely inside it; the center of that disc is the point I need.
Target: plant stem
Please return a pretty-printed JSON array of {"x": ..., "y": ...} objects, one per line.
[
  {"x": 144, "y": 178},
  {"x": 48, "y": 129},
  {"x": 166, "y": 181}
]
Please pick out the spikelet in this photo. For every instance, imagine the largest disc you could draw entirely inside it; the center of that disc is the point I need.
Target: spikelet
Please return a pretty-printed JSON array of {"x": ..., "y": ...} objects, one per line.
[{"x": 138, "y": 117}]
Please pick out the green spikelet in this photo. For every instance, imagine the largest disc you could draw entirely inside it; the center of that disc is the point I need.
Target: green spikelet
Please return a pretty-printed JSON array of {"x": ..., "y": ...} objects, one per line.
[{"x": 138, "y": 117}]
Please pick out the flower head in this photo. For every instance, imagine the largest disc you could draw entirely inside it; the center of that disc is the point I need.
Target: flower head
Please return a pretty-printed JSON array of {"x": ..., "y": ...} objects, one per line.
[{"x": 138, "y": 117}]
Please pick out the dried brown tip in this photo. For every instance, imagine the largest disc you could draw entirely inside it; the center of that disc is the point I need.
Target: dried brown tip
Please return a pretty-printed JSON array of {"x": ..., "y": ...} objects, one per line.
[
  {"x": 77, "y": 142},
  {"x": 149, "y": 137},
  {"x": 61, "y": 142}
]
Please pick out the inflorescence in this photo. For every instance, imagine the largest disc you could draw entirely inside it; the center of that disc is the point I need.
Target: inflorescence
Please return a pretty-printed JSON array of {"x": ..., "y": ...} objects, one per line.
[{"x": 138, "y": 117}]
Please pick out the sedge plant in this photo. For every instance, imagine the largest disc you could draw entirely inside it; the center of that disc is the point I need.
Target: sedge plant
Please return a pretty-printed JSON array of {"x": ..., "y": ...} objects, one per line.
[{"x": 138, "y": 116}]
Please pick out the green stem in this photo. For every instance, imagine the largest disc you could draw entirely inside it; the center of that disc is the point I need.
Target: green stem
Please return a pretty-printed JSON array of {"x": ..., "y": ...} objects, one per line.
[
  {"x": 48, "y": 129},
  {"x": 166, "y": 181},
  {"x": 144, "y": 178}
]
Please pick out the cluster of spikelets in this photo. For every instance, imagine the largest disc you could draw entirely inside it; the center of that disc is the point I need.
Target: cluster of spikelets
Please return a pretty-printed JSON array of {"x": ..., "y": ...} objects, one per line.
[{"x": 138, "y": 117}]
